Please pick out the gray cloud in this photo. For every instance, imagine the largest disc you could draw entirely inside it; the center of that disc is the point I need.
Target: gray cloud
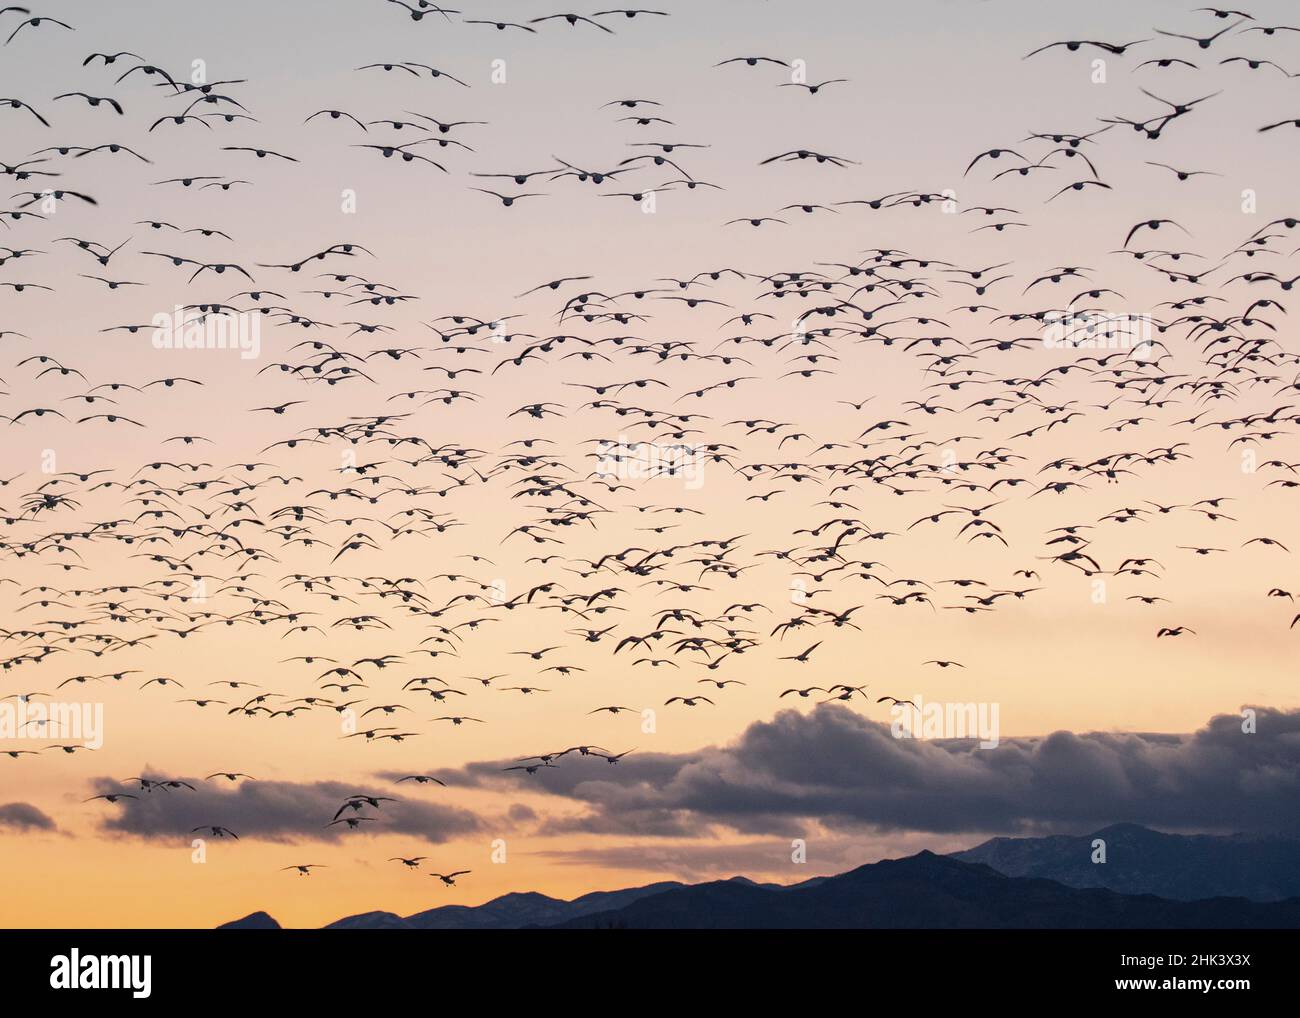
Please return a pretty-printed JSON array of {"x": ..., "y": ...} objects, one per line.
[
  {"x": 278, "y": 811},
  {"x": 770, "y": 858},
  {"x": 22, "y": 816},
  {"x": 521, "y": 813},
  {"x": 834, "y": 768}
]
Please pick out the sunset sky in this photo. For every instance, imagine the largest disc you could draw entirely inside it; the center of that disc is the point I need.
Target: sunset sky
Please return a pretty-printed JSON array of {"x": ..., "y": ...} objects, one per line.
[{"x": 1100, "y": 721}]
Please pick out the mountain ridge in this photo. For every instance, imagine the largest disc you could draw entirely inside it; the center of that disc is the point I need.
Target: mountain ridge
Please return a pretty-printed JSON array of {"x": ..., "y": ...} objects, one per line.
[
  {"x": 928, "y": 891},
  {"x": 1152, "y": 878},
  {"x": 1139, "y": 860}
]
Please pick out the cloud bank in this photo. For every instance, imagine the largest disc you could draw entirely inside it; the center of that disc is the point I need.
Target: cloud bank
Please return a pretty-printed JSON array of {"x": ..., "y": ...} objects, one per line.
[
  {"x": 837, "y": 769},
  {"x": 22, "y": 816},
  {"x": 281, "y": 811}
]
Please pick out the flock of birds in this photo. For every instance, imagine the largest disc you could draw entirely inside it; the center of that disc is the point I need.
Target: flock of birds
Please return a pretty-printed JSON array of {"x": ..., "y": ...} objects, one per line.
[{"x": 311, "y": 554}]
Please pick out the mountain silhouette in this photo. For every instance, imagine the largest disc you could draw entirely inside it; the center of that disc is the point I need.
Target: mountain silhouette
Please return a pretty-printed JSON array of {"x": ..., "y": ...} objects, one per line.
[
  {"x": 510, "y": 911},
  {"x": 252, "y": 921},
  {"x": 928, "y": 891},
  {"x": 1205, "y": 881},
  {"x": 1143, "y": 861}
]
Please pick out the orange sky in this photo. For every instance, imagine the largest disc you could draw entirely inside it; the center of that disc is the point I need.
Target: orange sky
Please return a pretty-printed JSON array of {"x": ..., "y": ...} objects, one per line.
[{"x": 930, "y": 86}]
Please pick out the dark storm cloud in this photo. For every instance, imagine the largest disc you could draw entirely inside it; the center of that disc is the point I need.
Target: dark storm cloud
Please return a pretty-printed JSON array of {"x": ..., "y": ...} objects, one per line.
[
  {"x": 838, "y": 769},
  {"x": 22, "y": 816},
  {"x": 278, "y": 811}
]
